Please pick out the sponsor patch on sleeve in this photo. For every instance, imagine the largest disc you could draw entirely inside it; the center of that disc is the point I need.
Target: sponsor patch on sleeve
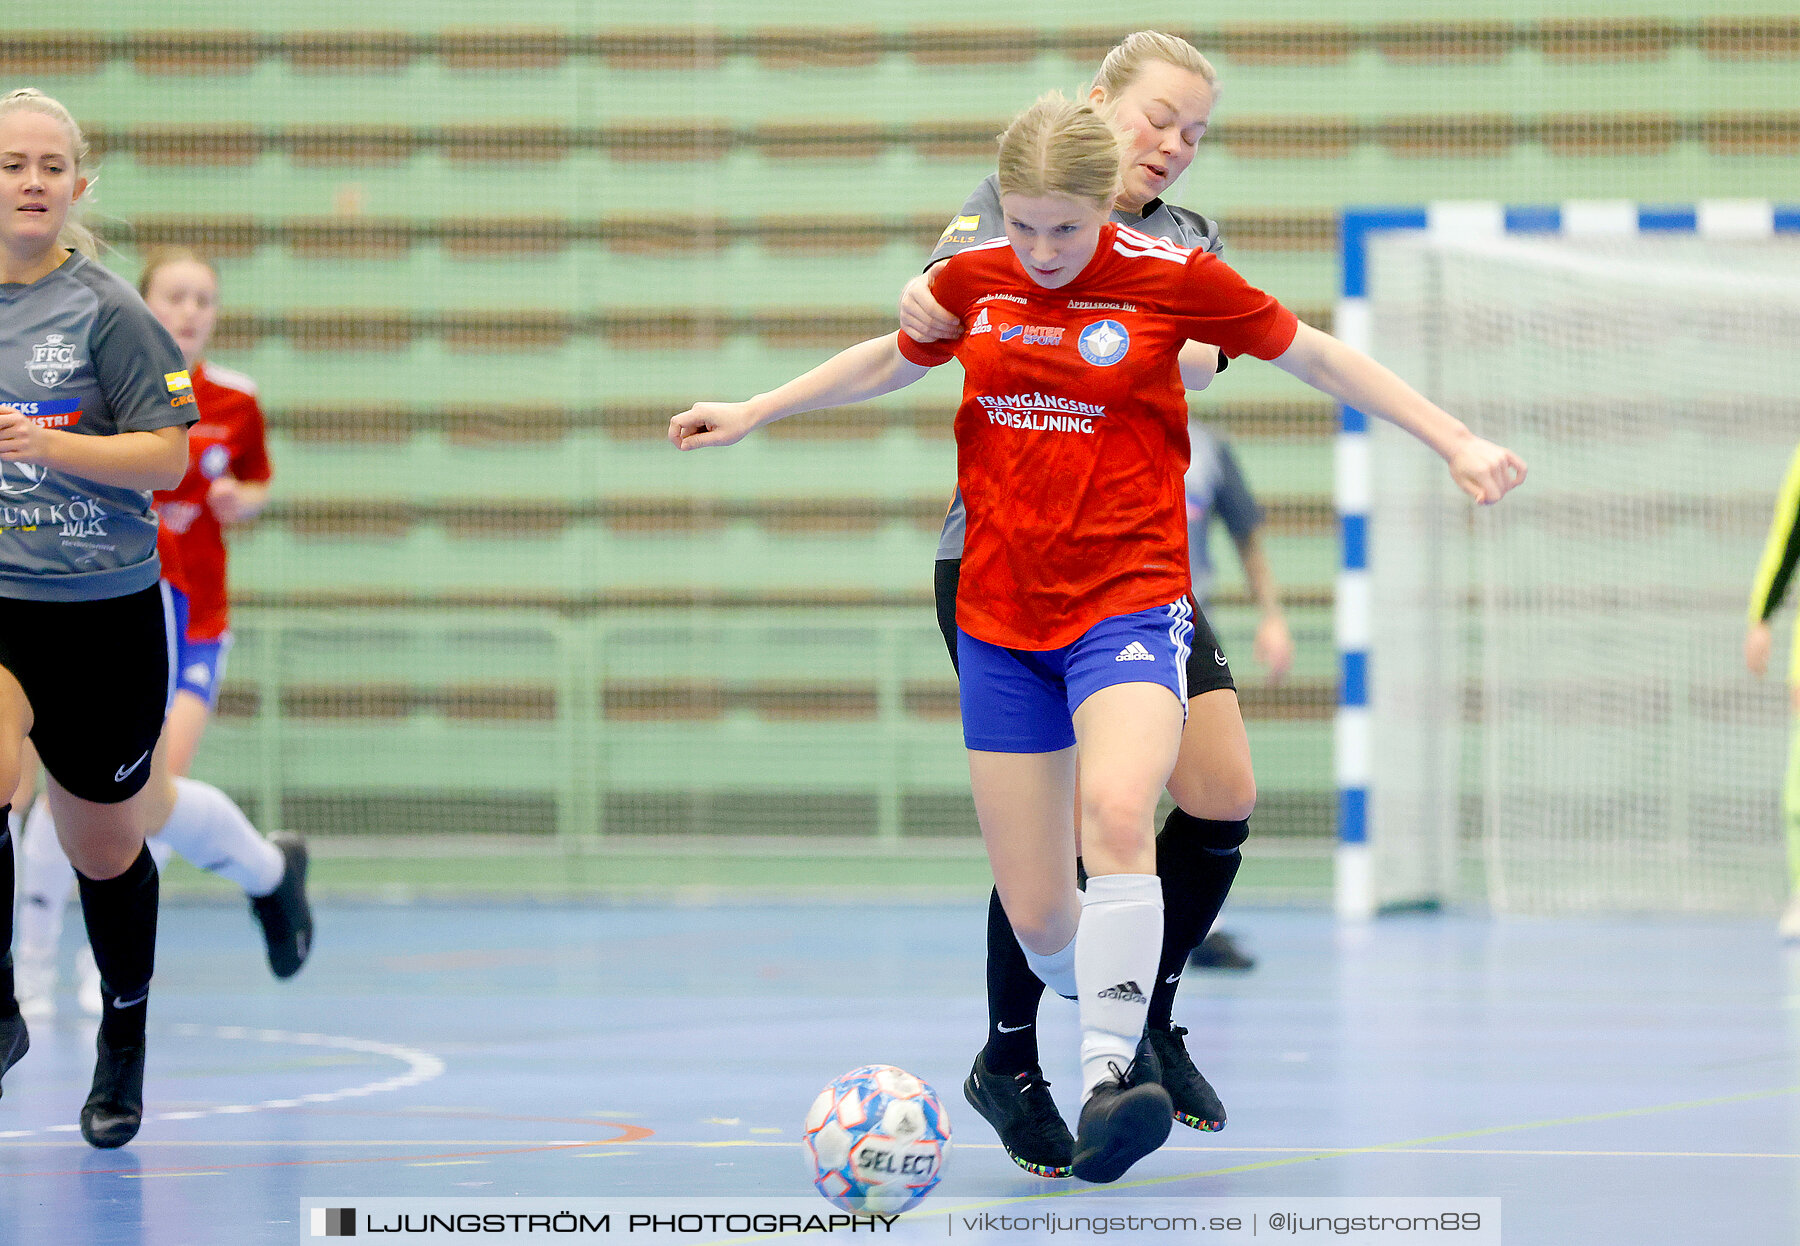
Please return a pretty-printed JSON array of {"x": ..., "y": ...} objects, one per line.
[
  {"x": 178, "y": 382},
  {"x": 961, "y": 225}
]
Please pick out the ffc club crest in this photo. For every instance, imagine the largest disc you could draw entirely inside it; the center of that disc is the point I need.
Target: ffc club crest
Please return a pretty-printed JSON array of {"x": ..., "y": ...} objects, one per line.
[
  {"x": 52, "y": 361},
  {"x": 1104, "y": 343}
]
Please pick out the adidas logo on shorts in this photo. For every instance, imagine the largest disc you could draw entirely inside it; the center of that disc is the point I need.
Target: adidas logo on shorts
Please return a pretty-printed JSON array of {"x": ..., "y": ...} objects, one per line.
[
  {"x": 1125, "y": 992},
  {"x": 1135, "y": 652}
]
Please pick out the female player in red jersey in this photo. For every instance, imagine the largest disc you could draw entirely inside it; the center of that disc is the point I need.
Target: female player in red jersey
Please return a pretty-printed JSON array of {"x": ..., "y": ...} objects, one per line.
[
  {"x": 1157, "y": 91},
  {"x": 226, "y": 483},
  {"x": 1074, "y": 616}
]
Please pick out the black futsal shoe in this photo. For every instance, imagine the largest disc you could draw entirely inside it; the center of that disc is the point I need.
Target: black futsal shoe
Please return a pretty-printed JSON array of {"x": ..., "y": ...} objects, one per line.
[
  {"x": 15, "y": 1041},
  {"x": 284, "y": 914},
  {"x": 1196, "y": 1103},
  {"x": 1126, "y": 1118},
  {"x": 1023, "y": 1114},
  {"x": 115, "y": 1107}
]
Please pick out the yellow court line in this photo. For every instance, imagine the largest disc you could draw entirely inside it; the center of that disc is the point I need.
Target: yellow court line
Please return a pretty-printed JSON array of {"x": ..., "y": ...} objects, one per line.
[
  {"x": 145, "y": 1176},
  {"x": 1414, "y": 1145},
  {"x": 1610, "y": 1154},
  {"x": 1408, "y": 1145}
]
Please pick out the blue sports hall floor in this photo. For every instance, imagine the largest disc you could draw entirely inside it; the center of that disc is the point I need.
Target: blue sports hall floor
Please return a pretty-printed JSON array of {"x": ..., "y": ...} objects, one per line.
[{"x": 1611, "y": 1082}]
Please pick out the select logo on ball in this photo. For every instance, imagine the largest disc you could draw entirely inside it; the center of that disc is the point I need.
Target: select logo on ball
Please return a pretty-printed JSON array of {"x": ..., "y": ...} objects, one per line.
[{"x": 877, "y": 1138}]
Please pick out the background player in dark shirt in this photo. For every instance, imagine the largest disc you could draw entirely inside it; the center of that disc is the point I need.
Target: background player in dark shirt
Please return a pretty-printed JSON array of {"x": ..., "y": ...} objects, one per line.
[{"x": 1218, "y": 490}]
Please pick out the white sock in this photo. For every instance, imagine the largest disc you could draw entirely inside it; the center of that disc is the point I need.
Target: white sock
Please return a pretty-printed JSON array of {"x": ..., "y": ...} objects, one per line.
[
  {"x": 1057, "y": 969},
  {"x": 1117, "y": 948},
  {"x": 46, "y": 881},
  {"x": 210, "y": 831}
]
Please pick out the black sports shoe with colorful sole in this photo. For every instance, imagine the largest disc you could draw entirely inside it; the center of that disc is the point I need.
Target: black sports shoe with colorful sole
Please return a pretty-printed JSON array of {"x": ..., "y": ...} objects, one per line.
[
  {"x": 1196, "y": 1104},
  {"x": 1021, "y": 1111},
  {"x": 1123, "y": 1120}
]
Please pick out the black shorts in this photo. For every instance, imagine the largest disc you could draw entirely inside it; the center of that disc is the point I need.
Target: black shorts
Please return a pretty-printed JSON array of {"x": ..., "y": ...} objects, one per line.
[
  {"x": 97, "y": 676},
  {"x": 1207, "y": 670}
]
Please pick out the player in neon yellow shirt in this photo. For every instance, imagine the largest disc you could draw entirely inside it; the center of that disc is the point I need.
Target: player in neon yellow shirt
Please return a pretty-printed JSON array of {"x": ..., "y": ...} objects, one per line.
[{"x": 1773, "y": 575}]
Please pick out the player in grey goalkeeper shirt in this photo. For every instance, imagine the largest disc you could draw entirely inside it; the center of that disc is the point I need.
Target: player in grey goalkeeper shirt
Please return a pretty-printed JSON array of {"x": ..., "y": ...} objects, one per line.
[{"x": 94, "y": 407}]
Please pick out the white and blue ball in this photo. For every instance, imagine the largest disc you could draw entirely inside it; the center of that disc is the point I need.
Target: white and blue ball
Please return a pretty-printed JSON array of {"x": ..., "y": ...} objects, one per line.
[{"x": 877, "y": 1138}]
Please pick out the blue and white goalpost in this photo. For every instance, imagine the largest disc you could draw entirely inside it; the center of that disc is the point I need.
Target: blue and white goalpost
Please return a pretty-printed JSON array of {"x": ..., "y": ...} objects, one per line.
[{"x": 1553, "y": 701}]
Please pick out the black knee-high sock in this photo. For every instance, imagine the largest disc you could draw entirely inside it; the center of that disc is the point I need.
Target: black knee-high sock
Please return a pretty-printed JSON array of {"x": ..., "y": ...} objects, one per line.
[
  {"x": 9, "y": 1004},
  {"x": 121, "y": 925},
  {"x": 1197, "y": 859},
  {"x": 1013, "y": 992}
]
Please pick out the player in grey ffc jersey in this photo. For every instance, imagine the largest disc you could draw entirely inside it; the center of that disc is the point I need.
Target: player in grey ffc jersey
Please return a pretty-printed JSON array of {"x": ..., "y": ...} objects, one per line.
[
  {"x": 979, "y": 221},
  {"x": 94, "y": 407},
  {"x": 80, "y": 352}
]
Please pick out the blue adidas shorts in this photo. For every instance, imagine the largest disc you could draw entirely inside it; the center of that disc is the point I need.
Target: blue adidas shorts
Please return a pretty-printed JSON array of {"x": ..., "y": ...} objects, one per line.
[
  {"x": 1024, "y": 700},
  {"x": 199, "y": 664}
]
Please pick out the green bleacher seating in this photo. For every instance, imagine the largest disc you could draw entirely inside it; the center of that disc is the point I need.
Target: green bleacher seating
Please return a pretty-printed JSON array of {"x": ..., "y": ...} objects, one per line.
[{"x": 476, "y": 268}]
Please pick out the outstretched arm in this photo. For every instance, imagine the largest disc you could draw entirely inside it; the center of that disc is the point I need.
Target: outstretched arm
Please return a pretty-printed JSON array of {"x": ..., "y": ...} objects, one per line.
[
  {"x": 1481, "y": 469},
  {"x": 867, "y": 370}
]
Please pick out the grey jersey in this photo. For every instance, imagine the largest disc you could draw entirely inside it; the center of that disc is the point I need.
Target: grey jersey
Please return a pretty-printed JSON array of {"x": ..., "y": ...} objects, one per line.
[
  {"x": 1216, "y": 488},
  {"x": 80, "y": 352},
  {"x": 979, "y": 221}
]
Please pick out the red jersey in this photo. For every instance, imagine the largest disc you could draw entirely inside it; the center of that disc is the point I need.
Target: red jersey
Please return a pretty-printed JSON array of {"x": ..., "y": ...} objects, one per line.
[
  {"x": 1071, "y": 440},
  {"x": 227, "y": 441}
]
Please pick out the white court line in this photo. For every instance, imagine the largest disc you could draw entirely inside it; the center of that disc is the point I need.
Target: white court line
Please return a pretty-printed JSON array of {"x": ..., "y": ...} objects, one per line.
[{"x": 421, "y": 1067}]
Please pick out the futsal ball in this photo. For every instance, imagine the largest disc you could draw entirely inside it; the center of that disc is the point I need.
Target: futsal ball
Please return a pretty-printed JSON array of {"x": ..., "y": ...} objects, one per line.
[{"x": 877, "y": 1138}]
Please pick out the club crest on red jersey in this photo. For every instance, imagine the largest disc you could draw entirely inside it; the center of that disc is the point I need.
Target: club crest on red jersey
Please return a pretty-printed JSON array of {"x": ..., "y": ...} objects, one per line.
[{"x": 1104, "y": 343}]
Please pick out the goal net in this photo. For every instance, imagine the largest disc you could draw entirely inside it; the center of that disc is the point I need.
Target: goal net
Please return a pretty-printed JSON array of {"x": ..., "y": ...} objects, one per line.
[{"x": 1561, "y": 719}]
